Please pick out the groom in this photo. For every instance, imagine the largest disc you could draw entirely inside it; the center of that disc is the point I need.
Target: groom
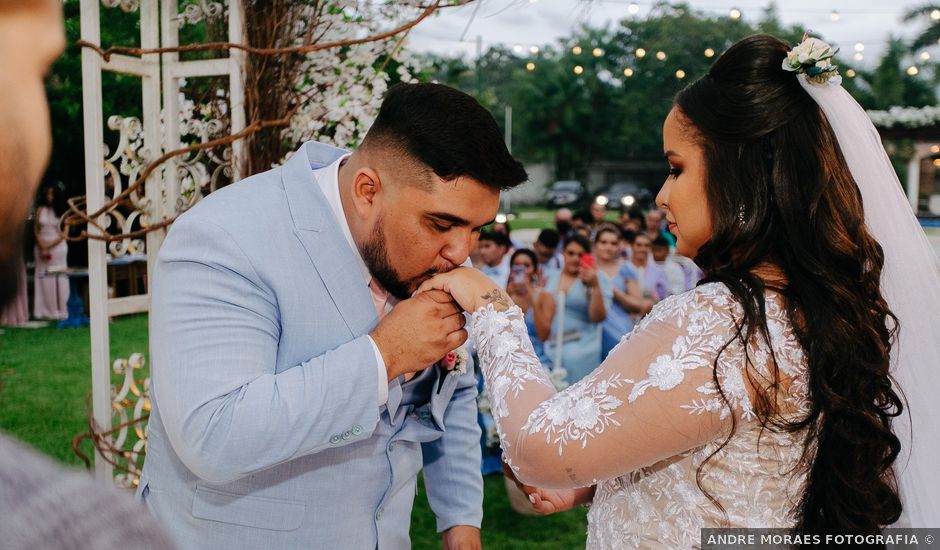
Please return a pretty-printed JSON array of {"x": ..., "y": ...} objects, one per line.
[{"x": 293, "y": 405}]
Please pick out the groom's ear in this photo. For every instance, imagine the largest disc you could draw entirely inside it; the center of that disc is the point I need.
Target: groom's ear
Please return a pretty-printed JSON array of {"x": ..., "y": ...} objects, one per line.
[{"x": 366, "y": 187}]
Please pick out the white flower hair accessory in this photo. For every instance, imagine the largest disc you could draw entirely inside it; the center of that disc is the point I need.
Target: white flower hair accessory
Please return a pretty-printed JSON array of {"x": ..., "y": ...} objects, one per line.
[{"x": 812, "y": 57}]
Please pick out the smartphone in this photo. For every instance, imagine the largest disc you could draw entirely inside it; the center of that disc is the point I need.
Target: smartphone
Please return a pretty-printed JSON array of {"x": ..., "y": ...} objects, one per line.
[
  {"x": 587, "y": 260},
  {"x": 518, "y": 274}
]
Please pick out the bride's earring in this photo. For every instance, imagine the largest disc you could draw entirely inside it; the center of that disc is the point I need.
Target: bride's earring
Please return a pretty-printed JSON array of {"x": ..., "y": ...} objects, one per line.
[{"x": 741, "y": 215}]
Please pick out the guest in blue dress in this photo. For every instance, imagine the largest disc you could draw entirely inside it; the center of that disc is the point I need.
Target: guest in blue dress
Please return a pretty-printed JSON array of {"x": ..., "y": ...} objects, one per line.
[
  {"x": 627, "y": 297},
  {"x": 584, "y": 294}
]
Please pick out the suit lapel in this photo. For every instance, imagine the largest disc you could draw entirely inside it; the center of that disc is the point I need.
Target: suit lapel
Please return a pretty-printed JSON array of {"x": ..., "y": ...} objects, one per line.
[{"x": 318, "y": 231}]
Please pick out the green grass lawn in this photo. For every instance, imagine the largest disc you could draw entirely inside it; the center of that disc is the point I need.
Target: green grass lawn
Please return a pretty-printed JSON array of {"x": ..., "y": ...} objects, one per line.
[{"x": 46, "y": 377}]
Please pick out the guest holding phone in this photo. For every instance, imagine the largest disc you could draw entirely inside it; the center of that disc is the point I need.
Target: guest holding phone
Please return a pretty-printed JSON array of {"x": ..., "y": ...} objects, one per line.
[
  {"x": 568, "y": 315},
  {"x": 526, "y": 283}
]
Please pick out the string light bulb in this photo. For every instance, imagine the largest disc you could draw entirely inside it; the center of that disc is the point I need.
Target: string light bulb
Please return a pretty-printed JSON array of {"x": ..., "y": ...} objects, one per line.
[
  {"x": 735, "y": 13},
  {"x": 935, "y": 149},
  {"x": 640, "y": 52},
  {"x": 925, "y": 55},
  {"x": 858, "y": 56},
  {"x": 912, "y": 70},
  {"x": 576, "y": 50},
  {"x": 935, "y": 15},
  {"x": 578, "y": 69},
  {"x": 661, "y": 55},
  {"x": 597, "y": 52},
  {"x": 628, "y": 72},
  {"x": 680, "y": 74},
  {"x": 530, "y": 66},
  {"x": 859, "y": 47},
  {"x": 633, "y": 8},
  {"x": 850, "y": 73},
  {"x": 709, "y": 52},
  {"x": 517, "y": 48},
  {"x": 534, "y": 50}
]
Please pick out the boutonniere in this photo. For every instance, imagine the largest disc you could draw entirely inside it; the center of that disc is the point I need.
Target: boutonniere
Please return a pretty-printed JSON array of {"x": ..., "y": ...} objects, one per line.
[{"x": 455, "y": 363}]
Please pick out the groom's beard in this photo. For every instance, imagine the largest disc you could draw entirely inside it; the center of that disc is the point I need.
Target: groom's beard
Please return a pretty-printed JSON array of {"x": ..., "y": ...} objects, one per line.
[
  {"x": 375, "y": 255},
  {"x": 11, "y": 262}
]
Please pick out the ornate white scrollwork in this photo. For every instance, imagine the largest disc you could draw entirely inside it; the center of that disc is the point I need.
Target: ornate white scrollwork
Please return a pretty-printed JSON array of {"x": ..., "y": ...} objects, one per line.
[
  {"x": 130, "y": 408},
  {"x": 197, "y": 10},
  {"x": 205, "y": 170},
  {"x": 126, "y": 5},
  {"x": 121, "y": 169}
]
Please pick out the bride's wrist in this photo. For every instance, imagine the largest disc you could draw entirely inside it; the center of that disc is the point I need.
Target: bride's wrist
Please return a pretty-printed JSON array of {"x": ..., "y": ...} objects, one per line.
[{"x": 495, "y": 296}]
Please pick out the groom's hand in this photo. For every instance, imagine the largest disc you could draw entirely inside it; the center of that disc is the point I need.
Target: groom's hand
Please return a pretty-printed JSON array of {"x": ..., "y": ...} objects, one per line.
[
  {"x": 419, "y": 331},
  {"x": 462, "y": 537}
]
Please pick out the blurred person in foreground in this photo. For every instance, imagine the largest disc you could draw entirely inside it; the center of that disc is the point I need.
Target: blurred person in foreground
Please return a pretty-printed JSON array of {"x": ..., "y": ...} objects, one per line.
[
  {"x": 766, "y": 396},
  {"x": 43, "y": 505}
]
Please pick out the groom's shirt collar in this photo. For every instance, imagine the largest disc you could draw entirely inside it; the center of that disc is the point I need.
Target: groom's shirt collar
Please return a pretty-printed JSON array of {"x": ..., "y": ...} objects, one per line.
[{"x": 328, "y": 179}]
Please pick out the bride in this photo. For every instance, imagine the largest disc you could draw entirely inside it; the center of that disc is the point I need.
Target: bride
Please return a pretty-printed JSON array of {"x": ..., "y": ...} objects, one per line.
[{"x": 762, "y": 397}]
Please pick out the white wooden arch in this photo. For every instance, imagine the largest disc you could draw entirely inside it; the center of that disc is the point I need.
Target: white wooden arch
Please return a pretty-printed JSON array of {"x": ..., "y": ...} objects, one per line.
[{"x": 166, "y": 192}]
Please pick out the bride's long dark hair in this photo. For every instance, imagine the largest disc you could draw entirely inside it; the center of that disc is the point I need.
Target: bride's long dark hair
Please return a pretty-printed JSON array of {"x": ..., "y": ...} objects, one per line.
[{"x": 771, "y": 155}]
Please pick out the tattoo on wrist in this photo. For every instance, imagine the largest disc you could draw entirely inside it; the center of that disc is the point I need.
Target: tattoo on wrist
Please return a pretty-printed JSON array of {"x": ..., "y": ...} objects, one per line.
[{"x": 498, "y": 298}]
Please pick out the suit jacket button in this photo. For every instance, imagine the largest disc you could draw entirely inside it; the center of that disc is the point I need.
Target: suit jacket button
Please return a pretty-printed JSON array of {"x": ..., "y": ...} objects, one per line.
[
  {"x": 357, "y": 429},
  {"x": 346, "y": 434},
  {"x": 334, "y": 438},
  {"x": 378, "y": 514}
]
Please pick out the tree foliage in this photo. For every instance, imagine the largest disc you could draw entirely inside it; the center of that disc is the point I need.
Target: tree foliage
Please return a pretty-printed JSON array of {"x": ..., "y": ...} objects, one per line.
[{"x": 571, "y": 120}]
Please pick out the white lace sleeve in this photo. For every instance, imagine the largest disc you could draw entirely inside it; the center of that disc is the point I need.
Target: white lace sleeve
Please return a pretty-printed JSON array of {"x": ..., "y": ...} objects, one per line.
[{"x": 652, "y": 398}]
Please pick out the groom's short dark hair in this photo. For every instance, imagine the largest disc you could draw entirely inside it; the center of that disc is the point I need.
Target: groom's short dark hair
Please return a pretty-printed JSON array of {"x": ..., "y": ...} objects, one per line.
[{"x": 448, "y": 131}]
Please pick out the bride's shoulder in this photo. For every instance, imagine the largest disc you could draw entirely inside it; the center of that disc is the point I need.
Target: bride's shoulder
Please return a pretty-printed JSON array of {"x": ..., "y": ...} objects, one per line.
[{"x": 711, "y": 300}]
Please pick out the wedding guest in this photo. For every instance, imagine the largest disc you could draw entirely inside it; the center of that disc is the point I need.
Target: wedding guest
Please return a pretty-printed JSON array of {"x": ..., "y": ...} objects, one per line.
[
  {"x": 546, "y": 248},
  {"x": 50, "y": 291},
  {"x": 587, "y": 295},
  {"x": 42, "y": 504},
  {"x": 627, "y": 297},
  {"x": 650, "y": 277},
  {"x": 493, "y": 248},
  {"x": 678, "y": 280},
  {"x": 525, "y": 285},
  {"x": 598, "y": 214},
  {"x": 655, "y": 229},
  {"x": 563, "y": 220},
  {"x": 505, "y": 229},
  {"x": 764, "y": 397}
]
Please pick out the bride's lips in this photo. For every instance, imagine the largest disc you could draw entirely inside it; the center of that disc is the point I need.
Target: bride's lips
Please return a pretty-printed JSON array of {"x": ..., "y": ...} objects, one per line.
[{"x": 671, "y": 227}]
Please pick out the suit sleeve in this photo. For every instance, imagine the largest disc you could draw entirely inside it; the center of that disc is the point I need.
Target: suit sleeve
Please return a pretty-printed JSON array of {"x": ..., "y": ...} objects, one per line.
[
  {"x": 215, "y": 334},
  {"x": 452, "y": 463}
]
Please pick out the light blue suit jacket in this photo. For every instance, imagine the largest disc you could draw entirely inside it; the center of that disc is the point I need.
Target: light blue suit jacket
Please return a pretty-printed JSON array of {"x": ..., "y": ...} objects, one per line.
[{"x": 264, "y": 430}]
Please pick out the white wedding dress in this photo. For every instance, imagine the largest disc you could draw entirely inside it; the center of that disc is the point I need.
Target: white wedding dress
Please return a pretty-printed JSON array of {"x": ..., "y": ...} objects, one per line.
[{"x": 640, "y": 426}]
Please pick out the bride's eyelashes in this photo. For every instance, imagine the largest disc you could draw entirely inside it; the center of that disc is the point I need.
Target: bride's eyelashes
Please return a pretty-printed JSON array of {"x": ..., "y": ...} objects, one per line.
[{"x": 674, "y": 172}]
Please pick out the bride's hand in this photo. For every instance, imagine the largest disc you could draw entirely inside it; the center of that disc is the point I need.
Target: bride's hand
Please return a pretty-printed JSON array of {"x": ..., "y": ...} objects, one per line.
[
  {"x": 551, "y": 501},
  {"x": 470, "y": 288}
]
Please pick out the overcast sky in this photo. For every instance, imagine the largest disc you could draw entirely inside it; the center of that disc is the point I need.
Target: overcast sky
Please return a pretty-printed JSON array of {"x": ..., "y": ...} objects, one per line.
[{"x": 540, "y": 22}]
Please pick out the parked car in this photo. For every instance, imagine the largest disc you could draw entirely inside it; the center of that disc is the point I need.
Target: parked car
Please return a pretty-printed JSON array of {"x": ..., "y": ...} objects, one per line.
[
  {"x": 625, "y": 195},
  {"x": 570, "y": 193}
]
